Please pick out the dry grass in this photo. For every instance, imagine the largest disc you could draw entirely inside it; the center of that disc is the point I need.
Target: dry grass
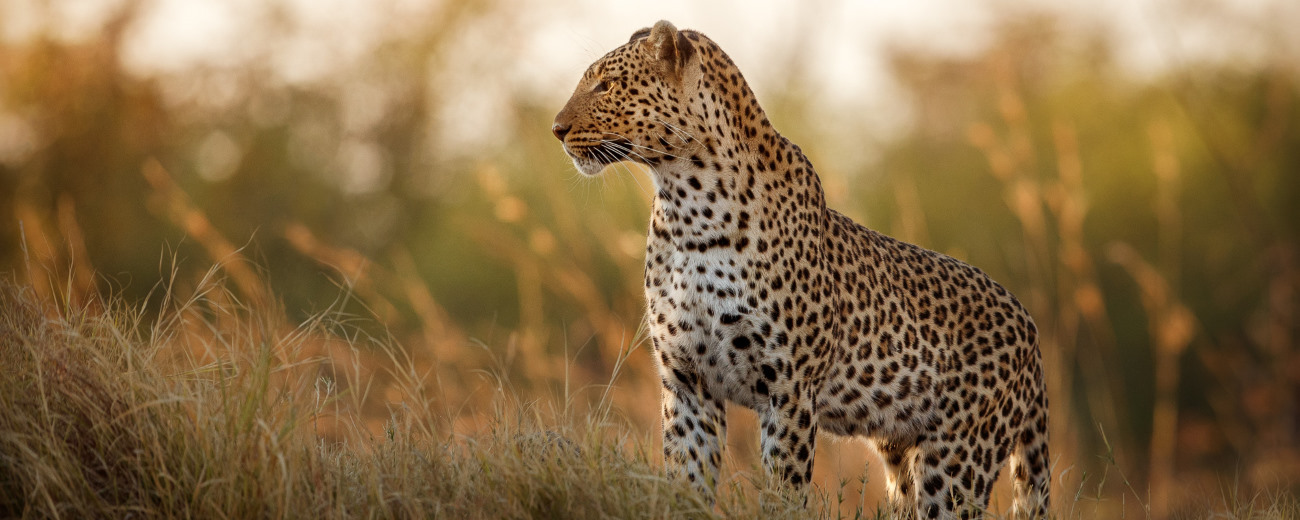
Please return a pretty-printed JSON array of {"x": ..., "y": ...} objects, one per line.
[
  {"x": 198, "y": 415},
  {"x": 216, "y": 411}
]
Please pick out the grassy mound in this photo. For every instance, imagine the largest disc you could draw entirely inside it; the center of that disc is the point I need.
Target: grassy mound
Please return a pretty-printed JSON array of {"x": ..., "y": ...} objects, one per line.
[{"x": 206, "y": 415}]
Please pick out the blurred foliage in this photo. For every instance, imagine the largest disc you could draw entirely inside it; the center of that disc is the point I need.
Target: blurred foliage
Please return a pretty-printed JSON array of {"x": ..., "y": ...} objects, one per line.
[
  {"x": 1150, "y": 224},
  {"x": 1151, "y": 227}
]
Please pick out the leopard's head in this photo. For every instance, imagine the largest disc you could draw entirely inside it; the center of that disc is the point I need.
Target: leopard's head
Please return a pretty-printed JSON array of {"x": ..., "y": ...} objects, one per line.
[{"x": 631, "y": 104}]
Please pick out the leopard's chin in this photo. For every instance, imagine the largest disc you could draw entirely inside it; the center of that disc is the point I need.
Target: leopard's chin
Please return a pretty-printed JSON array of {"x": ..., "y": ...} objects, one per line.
[{"x": 588, "y": 167}]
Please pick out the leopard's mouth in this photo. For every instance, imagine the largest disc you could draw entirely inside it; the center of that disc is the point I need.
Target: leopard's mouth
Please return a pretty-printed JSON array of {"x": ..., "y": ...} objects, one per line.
[
  {"x": 604, "y": 151},
  {"x": 592, "y": 156}
]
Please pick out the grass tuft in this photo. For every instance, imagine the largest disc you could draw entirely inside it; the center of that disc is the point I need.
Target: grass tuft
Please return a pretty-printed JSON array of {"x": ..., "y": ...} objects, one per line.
[{"x": 213, "y": 414}]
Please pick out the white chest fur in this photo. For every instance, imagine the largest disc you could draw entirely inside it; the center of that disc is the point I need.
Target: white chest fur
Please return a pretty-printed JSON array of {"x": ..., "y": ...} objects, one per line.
[{"x": 703, "y": 316}]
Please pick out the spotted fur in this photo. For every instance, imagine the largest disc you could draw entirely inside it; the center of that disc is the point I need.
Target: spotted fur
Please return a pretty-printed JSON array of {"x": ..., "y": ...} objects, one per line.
[{"x": 759, "y": 295}]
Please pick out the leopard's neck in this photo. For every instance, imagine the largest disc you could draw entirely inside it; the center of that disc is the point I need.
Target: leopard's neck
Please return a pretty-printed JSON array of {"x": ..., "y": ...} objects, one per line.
[{"x": 744, "y": 190}]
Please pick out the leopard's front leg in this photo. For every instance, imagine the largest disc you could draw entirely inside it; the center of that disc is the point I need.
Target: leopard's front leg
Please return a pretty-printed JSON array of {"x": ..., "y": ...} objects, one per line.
[
  {"x": 788, "y": 423},
  {"x": 694, "y": 426}
]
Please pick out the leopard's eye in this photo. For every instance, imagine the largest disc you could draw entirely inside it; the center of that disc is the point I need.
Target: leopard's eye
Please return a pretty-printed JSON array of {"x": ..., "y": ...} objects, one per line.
[{"x": 601, "y": 86}]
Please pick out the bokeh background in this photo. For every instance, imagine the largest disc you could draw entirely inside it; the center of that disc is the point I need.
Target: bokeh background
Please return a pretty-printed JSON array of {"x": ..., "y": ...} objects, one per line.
[{"x": 1130, "y": 169}]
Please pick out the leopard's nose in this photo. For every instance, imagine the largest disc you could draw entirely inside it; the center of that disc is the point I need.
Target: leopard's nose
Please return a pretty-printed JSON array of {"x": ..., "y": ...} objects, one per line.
[{"x": 560, "y": 130}]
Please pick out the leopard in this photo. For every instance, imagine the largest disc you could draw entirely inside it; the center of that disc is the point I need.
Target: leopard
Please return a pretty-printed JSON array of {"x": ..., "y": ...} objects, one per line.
[{"x": 759, "y": 295}]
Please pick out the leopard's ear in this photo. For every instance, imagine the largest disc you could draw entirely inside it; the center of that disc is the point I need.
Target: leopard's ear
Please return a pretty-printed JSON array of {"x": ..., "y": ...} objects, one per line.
[
  {"x": 640, "y": 33},
  {"x": 667, "y": 44}
]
